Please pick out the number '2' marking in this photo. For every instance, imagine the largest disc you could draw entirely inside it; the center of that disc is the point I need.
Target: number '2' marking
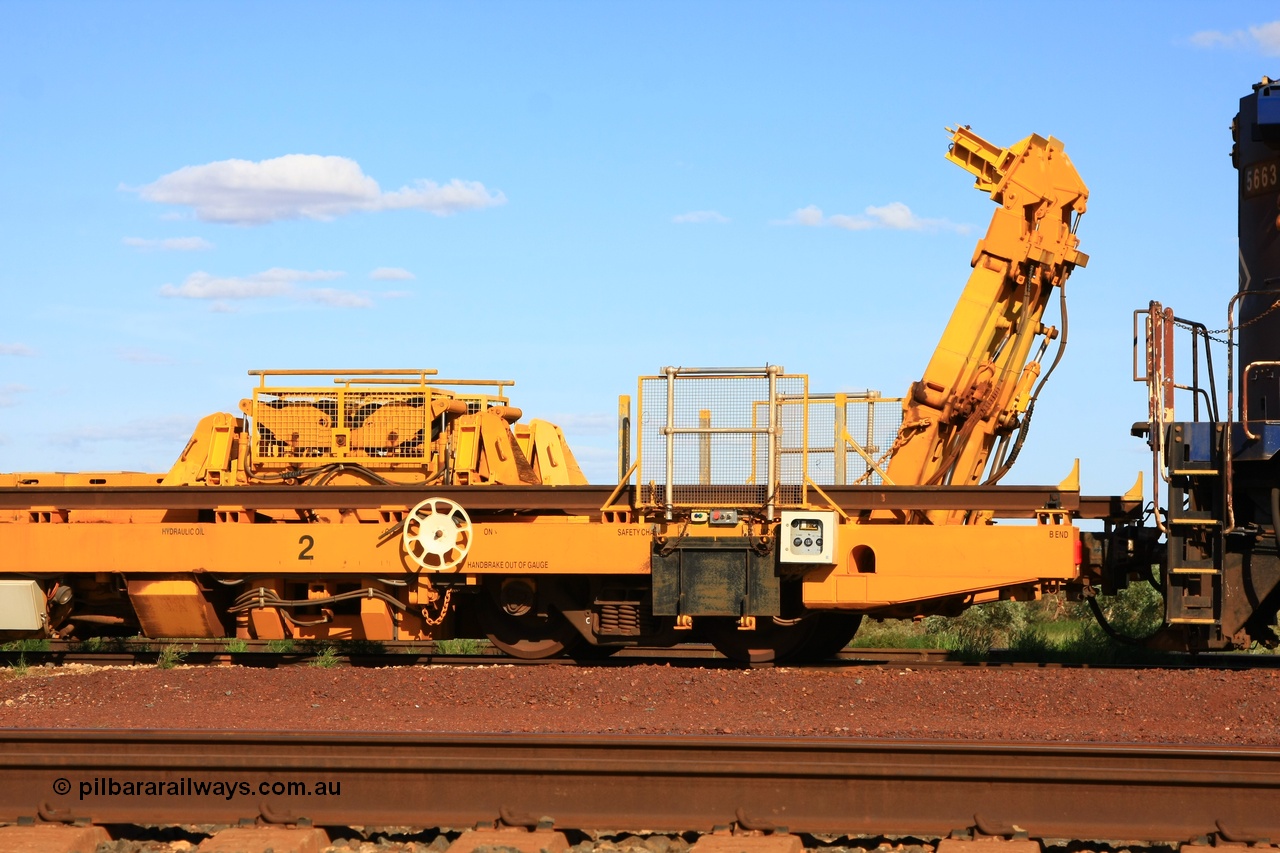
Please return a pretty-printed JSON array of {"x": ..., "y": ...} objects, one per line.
[{"x": 307, "y": 543}]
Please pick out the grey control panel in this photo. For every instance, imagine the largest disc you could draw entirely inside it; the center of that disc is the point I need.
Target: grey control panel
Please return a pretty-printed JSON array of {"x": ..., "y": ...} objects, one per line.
[{"x": 807, "y": 537}]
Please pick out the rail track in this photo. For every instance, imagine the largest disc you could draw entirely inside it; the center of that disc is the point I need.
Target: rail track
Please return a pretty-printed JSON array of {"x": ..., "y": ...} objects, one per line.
[
  {"x": 259, "y": 653},
  {"x": 262, "y": 653},
  {"x": 924, "y": 789}
]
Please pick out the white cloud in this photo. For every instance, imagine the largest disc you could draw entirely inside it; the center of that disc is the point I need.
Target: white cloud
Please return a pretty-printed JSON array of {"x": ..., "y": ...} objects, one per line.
[
  {"x": 10, "y": 392},
  {"x": 303, "y": 186},
  {"x": 391, "y": 274},
  {"x": 169, "y": 244},
  {"x": 895, "y": 216},
  {"x": 1268, "y": 37},
  {"x": 1215, "y": 38},
  {"x": 1262, "y": 37},
  {"x": 811, "y": 215},
  {"x": 848, "y": 223},
  {"x": 698, "y": 216},
  {"x": 16, "y": 349},
  {"x": 336, "y": 298},
  {"x": 275, "y": 282},
  {"x": 396, "y": 294}
]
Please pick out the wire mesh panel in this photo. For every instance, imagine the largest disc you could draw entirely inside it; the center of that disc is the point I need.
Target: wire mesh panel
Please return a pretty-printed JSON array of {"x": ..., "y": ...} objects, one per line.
[
  {"x": 718, "y": 452},
  {"x": 343, "y": 422},
  {"x": 378, "y": 420},
  {"x": 294, "y": 424},
  {"x": 387, "y": 423},
  {"x": 869, "y": 424},
  {"x": 792, "y": 445},
  {"x": 872, "y": 423}
]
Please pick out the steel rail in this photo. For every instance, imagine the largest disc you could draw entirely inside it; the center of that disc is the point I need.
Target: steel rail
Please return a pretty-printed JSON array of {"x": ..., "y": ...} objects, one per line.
[
  {"x": 1010, "y": 501},
  {"x": 825, "y": 785},
  {"x": 689, "y": 655}
]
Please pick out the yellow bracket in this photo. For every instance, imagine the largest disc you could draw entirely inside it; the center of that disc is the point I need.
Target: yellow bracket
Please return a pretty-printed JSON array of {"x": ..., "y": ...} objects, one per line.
[
  {"x": 622, "y": 484},
  {"x": 866, "y": 458},
  {"x": 975, "y": 155},
  {"x": 826, "y": 498},
  {"x": 1072, "y": 483},
  {"x": 1136, "y": 492}
]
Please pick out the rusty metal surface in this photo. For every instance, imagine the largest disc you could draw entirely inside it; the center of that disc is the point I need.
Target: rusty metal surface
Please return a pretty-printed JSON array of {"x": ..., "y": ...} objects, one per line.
[
  {"x": 690, "y": 655},
  {"x": 583, "y": 500},
  {"x": 659, "y": 783},
  {"x": 1110, "y": 506},
  {"x": 574, "y": 500}
]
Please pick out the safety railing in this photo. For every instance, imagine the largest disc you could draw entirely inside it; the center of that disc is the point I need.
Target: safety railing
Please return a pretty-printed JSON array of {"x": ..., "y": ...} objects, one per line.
[
  {"x": 1248, "y": 370},
  {"x": 365, "y": 414},
  {"x": 847, "y": 439},
  {"x": 711, "y": 437},
  {"x": 1154, "y": 336}
]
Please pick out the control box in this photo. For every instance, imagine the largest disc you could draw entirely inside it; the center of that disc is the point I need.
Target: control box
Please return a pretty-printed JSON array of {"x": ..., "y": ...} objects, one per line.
[
  {"x": 807, "y": 537},
  {"x": 723, "y": 517},
  {"x": 22, "y": 606}
]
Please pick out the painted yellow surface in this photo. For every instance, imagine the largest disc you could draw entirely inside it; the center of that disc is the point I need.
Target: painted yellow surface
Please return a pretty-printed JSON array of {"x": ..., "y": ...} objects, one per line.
[
  {"x": 886, "y": 564},
  {"x": 878, "y": 564},
  {"x": 983, "y": 374},
  {"x": 394, "y": 427},
  {"x": 173, "y": 608},
  {"x": 236, "y": 550}
]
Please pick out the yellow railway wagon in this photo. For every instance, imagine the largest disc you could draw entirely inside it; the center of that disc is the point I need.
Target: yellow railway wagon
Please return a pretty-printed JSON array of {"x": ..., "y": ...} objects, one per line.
[{"x": 385, "y": 505}]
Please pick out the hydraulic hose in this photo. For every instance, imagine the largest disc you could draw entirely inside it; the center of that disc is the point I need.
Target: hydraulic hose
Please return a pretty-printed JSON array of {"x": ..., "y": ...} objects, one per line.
[
  {"x": 1112, "y": 632},
  {"x": 1035, "y": 395}
]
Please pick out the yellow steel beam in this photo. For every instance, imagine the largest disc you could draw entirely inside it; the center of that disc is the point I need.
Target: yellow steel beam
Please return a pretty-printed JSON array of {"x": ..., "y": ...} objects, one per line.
[{"x": 549, "y": 546}]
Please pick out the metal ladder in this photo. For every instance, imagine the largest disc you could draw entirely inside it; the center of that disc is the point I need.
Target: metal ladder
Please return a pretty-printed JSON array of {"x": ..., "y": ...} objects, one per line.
[{"x": 1193, "y": 568}]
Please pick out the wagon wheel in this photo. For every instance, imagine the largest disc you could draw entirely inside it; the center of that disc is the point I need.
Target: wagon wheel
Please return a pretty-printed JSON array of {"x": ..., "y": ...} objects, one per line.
[
  {"x": 527, "y": 636},
  {"x": 585, "y": 651},
  {"x": 831, "y": 633},
  {"x": 773, "y": 640}
]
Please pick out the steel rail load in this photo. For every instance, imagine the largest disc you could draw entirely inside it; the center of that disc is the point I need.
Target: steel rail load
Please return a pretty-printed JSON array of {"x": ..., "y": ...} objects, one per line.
[{"x": 395, "y": 505}]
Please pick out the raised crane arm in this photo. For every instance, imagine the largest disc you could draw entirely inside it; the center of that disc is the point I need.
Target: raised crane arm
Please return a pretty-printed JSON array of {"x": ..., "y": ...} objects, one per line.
[{"x": 979, "y": 383}]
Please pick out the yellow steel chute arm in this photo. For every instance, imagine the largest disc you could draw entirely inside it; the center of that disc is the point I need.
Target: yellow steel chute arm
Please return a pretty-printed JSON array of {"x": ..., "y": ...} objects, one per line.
[{"x": 979, "y": 382}]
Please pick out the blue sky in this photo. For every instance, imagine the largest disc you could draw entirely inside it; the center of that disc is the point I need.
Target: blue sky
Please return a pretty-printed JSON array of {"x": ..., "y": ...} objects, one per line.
[{"x": 573, "y": 194}]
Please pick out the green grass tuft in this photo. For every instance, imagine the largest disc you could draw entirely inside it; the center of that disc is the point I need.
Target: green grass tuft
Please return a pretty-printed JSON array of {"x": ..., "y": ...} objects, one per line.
[
  {"x": 1052, "y": 630},
  {"x": 170, "y": 656},
  {"x": 461, "y": 646},
  {"x": 326, "y": 659},
  {"x": 20, "y": 667},
  {"x": 31, "y": 644}
]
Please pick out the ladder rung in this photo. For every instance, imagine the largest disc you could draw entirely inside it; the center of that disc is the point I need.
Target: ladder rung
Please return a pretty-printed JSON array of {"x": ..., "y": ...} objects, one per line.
[
  {"x": 1192, "y": 620},
  {"x": 1199, "y": 521},
  {"x": 1195, "y": 472}
]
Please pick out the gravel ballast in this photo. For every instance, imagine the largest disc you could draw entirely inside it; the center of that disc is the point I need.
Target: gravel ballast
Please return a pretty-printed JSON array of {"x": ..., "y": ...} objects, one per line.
[{"x": 953, "y": 703}]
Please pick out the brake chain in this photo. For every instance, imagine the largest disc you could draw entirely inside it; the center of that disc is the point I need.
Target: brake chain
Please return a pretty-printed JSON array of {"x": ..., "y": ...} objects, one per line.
[
  {"x": 1210, "y": 333},
  {"x": 444, "y": 609}
]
